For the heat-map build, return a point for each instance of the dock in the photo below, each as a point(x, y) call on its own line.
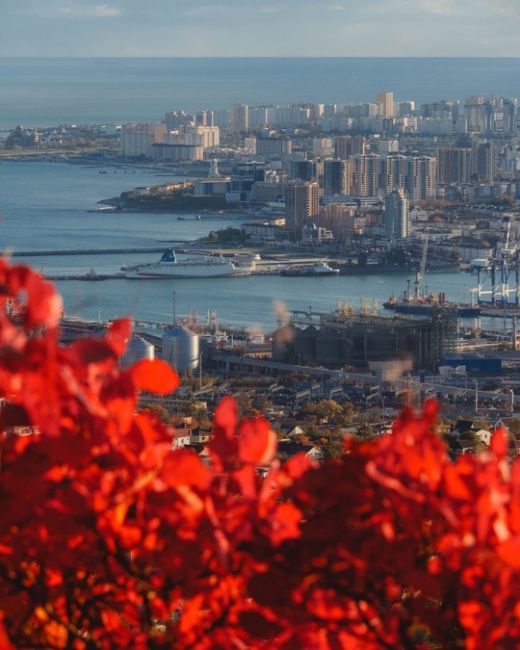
point(499, 312)
point(86, 277)
point(95, 251)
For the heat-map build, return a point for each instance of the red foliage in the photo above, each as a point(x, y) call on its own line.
point(109, 539)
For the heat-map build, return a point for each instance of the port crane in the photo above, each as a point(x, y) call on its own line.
point(503, 264)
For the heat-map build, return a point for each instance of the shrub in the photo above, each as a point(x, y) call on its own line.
point(110, 539)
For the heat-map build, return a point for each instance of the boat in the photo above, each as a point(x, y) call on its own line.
point(419, 303)
point(310, 270)
point(204, 266)
point(425, 305)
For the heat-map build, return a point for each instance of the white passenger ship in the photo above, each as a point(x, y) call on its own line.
point(200, 267)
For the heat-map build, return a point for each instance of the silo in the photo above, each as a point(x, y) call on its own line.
point(136, 350)
point(180, 348)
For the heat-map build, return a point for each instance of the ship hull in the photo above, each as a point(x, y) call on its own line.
point(170, 268)
point(426, 310)
point(184, 274)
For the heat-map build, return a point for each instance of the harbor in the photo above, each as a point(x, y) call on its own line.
point(80, 241)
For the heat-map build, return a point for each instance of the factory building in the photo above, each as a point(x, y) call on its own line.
point(352, 339)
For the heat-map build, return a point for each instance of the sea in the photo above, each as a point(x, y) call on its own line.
point(51, 205)
point(48, 206)
point(47, 91)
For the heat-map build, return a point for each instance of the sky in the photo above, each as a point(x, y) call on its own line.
point(260, 28)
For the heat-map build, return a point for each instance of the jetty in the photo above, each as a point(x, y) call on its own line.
point(94, 251)
point(87, 277)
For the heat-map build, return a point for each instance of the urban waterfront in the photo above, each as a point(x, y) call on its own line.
point(54, 215)
point(306, 431)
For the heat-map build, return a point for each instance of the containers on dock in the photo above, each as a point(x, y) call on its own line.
point(180, 348)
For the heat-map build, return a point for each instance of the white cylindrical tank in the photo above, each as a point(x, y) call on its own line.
point(136, 350)
point(180, 348)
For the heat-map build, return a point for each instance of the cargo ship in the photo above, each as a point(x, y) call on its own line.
point(425, 305)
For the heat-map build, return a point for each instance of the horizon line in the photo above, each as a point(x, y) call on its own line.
point(263, 57)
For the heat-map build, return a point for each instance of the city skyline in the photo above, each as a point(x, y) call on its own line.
point(287, 28)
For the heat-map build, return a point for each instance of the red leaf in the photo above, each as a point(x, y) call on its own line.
point(509, 552)
point(184, 467)
point(285, 523)
point(118, 335)
point(154, 376)
point(93, 351)
point(499, 443)
point(44, 305)
point(225, 418)
point(454, 475)
point(257, 442)
point(223, 445)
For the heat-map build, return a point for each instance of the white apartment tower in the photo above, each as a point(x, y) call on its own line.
point(397, 224)
point(138, 139)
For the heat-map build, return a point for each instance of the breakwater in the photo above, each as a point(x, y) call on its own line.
point(95, 251)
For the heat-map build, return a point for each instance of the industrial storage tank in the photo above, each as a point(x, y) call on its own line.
point(136, 350)
point(180, 348)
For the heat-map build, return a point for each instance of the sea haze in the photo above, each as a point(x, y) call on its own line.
point(46, 92)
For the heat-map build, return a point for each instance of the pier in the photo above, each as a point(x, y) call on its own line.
point(87, 277)
point(96, 251)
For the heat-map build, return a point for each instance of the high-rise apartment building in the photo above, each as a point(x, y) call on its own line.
point(239, 117)
point(272, 147)
point(303, 170)
point(366, 173)
point(202, 136)
point(336, 176)
point(349, 145)
point(205, 118)
point(243, 179)
point(484, 162)
point(322, 147)
point(394, 172)
point(221, 118)
point(374, 175)
point(338, 218)
point(288, 116)
point(397, 224)
point(302, 206)
point(454, 165)
point(138, 139)
point(257, 116)
point(177, 152)
point(506, 117)
point(385, 102)
point(478, 113)
point(421, 181)
point(316, 111)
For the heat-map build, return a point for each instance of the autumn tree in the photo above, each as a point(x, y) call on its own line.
point(110, 539)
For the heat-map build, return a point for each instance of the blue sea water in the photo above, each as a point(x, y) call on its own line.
point(43, 92)
point(45, 205)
